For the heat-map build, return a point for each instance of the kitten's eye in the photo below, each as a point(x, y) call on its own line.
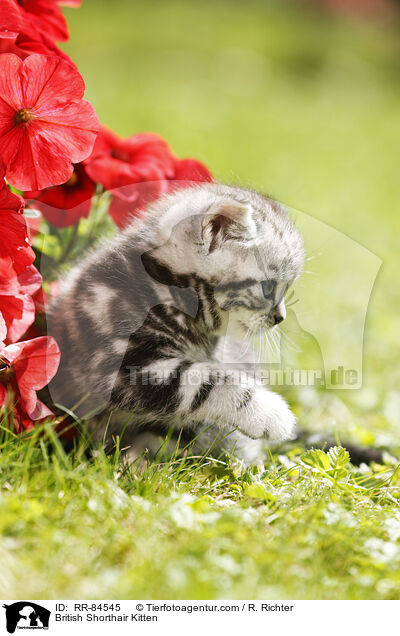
point(268, 287)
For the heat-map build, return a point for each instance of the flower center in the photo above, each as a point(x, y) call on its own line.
point(23, 116)
point(73, 180)
point(6, 371)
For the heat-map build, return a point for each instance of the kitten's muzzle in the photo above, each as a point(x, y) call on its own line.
point(278, 313)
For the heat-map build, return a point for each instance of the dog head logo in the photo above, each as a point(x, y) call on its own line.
point(26, 615)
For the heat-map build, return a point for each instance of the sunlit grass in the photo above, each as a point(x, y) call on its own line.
point(308, 525)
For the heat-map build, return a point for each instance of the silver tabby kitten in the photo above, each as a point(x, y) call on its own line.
point(141, 323)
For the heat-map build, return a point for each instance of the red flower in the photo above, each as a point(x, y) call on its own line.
point(136, 169)
point(117, 162)
point(44, 16)
point(26, 367)
point(45, 125)
point(65, 204)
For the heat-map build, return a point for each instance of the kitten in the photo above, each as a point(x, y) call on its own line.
point(142, 322)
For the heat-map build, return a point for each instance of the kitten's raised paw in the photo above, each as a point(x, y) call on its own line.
point(269, 416)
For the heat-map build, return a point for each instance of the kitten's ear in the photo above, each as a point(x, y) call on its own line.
point(228, 220)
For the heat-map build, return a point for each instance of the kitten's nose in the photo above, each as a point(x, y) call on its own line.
point(279, 313)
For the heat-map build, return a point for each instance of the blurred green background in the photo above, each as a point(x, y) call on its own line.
point(301, 103)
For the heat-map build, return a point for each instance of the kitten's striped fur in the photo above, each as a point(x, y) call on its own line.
point(154, 303)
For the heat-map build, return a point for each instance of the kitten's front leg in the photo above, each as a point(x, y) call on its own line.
point(243, 404)
point(207, 391)
point(173, 386)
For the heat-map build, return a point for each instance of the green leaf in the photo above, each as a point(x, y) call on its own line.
point(257, 490)
point(316, 459)
point(339, 457)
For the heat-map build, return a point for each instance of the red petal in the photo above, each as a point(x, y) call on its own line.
point(10, 85)
point(19, 313)
point(11, 283)
point(36, 162)
point(191, 170)
point(15, 240)
point(50, 82)
point(113, 173)
point(31, 41)
point(10, 19)
point(46, 17)
point(39, 412)
point(41, 301)
point(30, 280)
point(106, 140)
point(35, 362)
point(118, 162)
point(75, 126)
point(123, 208)
point(9, 200)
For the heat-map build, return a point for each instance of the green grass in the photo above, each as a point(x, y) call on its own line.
point(306, 526)
point(307, 108)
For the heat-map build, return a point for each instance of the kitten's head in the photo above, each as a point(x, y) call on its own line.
point(241, 243)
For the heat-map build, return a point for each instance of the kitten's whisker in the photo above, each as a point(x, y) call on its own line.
point(273, 345)
point(311, 257)
point(289, 341)
point(268, 344)
point(276, 340)
point(265, 350)
point(260, 347)
point(246, 343)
